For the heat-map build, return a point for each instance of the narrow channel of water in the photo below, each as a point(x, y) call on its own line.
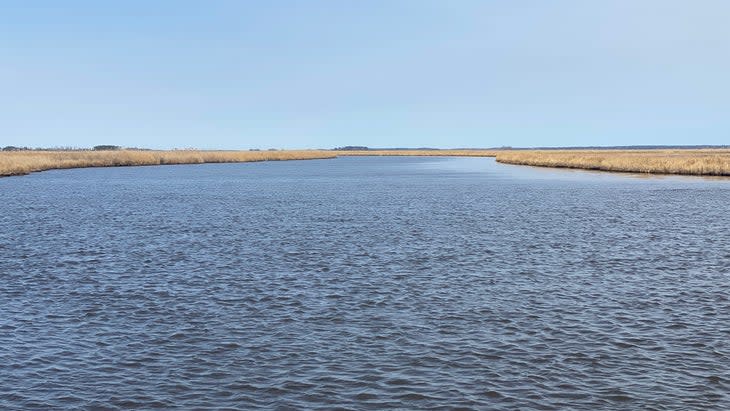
point(363, 283)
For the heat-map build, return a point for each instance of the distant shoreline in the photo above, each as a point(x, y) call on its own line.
point(16, 163)
point(693, 162)
point(697, 162)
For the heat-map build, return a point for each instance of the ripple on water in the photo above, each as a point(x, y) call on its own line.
point(363, 283)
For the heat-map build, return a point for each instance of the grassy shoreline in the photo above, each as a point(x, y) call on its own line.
point(707, 162)
point(13, 163)
point(698, 162)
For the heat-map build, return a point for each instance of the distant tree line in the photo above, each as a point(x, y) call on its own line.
point(102, 147)
point(364, 148)
point(16, 148)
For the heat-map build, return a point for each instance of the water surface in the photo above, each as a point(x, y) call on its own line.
point(363, 283)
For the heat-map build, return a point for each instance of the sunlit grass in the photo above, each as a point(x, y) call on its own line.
point(686, 161)
point(714, 162)
point(24, 162)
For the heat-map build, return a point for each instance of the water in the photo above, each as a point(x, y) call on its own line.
point(363, 283)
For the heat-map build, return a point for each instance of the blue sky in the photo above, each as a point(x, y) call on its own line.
point(382, 73)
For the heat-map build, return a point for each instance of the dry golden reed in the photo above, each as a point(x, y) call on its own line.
point(715, 162)
point(710, 162)
point(24, 162)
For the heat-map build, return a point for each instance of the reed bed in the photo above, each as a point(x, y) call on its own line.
point(709, 162)
point(712, 162)
point(24, 162)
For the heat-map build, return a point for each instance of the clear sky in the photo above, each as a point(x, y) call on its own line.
point(317, 74)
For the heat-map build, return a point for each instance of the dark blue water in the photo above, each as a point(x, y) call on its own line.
point(363, 283)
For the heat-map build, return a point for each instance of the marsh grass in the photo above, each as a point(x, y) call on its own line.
point(713, 162)
point(24, 162)
point(710, 162)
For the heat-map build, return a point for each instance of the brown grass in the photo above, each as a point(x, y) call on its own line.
point(24, 162)
point(711, 162)
point(715, 162)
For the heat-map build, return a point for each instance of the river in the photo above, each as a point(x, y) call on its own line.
point(363, 283)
